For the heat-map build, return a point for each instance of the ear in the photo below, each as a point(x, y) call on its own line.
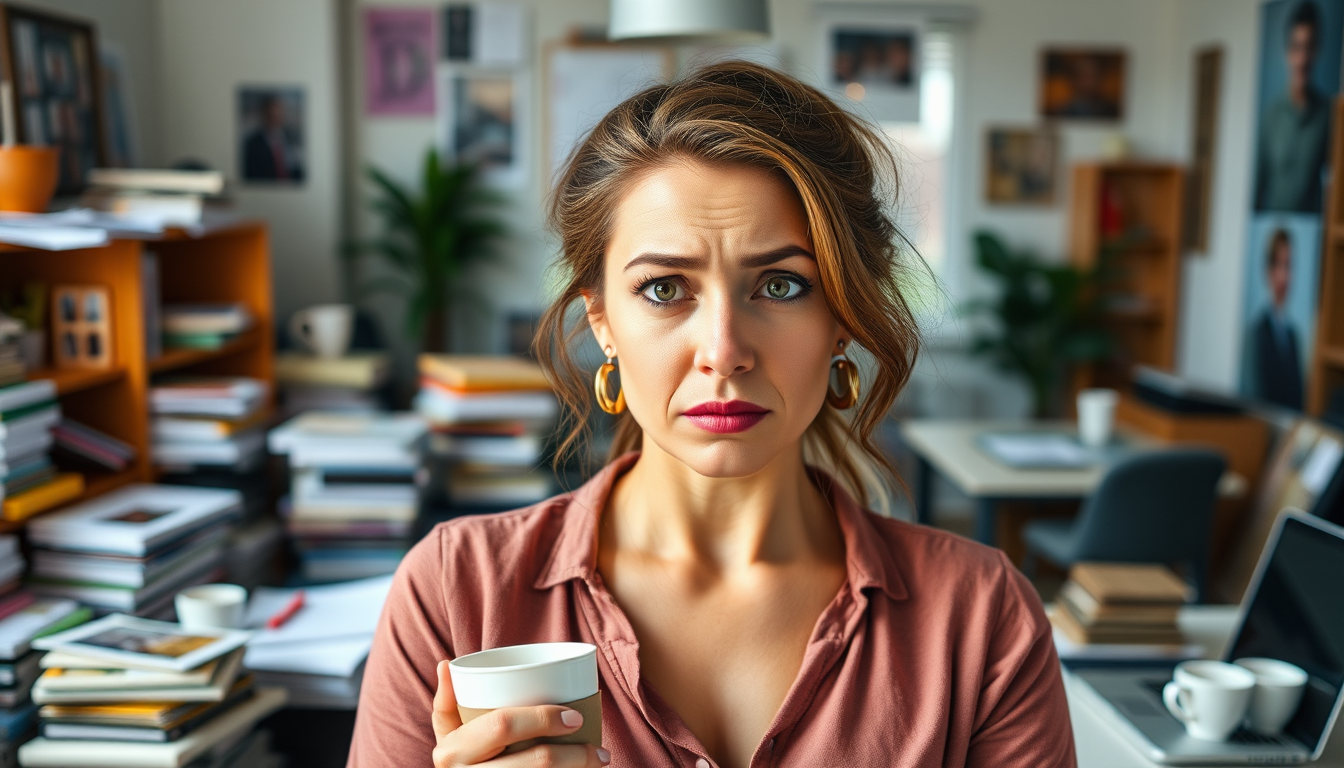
point(597, 321)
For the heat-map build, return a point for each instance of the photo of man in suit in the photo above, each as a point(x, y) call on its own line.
point(272, 146)
point(1292, 144)
point(1275, 357)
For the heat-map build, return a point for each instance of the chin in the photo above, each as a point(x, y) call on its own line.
point(725, 457)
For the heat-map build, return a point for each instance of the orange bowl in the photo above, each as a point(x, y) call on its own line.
point(28, 176)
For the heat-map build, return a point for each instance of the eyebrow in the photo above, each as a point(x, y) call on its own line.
point(754, 261)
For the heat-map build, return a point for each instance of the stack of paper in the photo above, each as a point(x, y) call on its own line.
point(215, 421)
point(29, 483)
point(318, 655)
point(19, 665)
point(126, 691)
point(132, 549)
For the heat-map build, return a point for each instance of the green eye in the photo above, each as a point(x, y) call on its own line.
point(782, 288)
point(663, 291)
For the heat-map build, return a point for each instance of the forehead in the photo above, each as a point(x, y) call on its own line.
point(691, 205)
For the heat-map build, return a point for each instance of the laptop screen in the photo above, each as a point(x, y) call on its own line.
point(1297, 616)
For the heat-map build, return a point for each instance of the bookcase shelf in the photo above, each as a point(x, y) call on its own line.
point(1326, 374)
point(229, 264)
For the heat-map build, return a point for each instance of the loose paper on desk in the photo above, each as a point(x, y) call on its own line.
point(330, 612)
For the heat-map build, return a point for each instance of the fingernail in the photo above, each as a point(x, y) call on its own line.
point(571, 718)
point(603, 755)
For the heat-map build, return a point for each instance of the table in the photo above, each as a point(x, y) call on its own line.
point(1099, 746)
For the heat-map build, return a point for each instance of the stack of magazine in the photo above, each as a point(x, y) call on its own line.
point(133, 549)
point(131, 692)
point(208, 421)
point(29, 482)
point(19, 665)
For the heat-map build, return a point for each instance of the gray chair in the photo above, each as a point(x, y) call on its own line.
point(1150, 508)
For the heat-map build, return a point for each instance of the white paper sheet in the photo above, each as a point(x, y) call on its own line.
point(330, 612)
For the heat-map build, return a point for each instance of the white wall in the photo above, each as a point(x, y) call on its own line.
point(208, 48)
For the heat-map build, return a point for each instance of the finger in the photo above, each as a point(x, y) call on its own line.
point(555, 756)
point(445, 716)
point(490, 733)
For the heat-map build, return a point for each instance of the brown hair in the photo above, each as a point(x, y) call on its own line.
point(845, 176)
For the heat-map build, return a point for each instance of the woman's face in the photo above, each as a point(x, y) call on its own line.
point(712, 305)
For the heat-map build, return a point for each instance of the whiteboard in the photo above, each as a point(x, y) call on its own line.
point(584, 83)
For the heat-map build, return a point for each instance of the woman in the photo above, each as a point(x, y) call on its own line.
point(728, 239)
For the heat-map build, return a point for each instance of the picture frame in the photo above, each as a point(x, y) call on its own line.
point(272, 135)
point(483, 116)
point(1021, 166)
point(54, 64)
point(870, 59)
point(1083, 84)
point(81, 326)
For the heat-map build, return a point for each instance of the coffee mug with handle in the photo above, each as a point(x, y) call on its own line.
point(1209, 697)
point(1278, 692)
point(324, 329)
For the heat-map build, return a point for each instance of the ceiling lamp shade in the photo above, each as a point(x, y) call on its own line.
point(690, 21)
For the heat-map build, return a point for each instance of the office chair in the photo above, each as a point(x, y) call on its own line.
point(1154, 507)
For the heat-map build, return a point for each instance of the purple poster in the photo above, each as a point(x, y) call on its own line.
point(399, 51)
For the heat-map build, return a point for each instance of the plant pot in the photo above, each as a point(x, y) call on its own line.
point(28, 177)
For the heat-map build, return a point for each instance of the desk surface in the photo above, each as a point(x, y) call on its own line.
point(1101, 747)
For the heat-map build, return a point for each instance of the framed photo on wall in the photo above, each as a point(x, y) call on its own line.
point(870, 58)
point(1021, 166)
point(53, 62)
point(1082, 83)
point(271, 135)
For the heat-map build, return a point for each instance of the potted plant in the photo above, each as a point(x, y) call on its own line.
point(1046, 318)
point(429, 236)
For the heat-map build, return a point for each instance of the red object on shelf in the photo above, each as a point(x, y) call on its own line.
point(1112, 218)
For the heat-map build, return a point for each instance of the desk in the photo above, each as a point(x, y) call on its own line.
point(1101, 747)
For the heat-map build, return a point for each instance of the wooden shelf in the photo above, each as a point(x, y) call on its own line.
point(1332, 356)
point(71, 380)
point(172, 359)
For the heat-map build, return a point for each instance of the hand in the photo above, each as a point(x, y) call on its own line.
point(481, 741)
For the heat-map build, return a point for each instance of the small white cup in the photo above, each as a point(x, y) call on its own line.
point(324, 329)
point(1096, 416)
point(211, 606)
point(1209, 697)
point(1278, 691)
point(525, 675)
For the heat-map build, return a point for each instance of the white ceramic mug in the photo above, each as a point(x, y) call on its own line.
point(324, 329)
point(1278, 691)
point(211, 606)
point(1209, 697)
point(1096, 416)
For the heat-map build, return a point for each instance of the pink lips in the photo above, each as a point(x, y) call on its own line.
point(726, 418)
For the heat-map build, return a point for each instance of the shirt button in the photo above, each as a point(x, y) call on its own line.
point(702, 763)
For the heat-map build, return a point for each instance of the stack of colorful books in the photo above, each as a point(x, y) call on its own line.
point(350, 383)
point(214, 421)
point(1121, 604)
point(203, 326)
point(489, 416)
point(86, 445)
point(354, 493)
point(129, 692)
point(133, 549)
point(28, 414)
point(22, 620)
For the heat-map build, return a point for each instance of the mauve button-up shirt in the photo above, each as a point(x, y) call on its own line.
point(935, 651)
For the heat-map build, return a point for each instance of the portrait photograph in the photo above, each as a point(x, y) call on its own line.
point(480, 122)
point(1021, 166)
point(271, 135)
point(875, 65)
point(1282, 276)
point(1082, 84)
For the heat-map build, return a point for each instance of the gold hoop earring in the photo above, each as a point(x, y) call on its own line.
point(600, 386)
point(848, 373)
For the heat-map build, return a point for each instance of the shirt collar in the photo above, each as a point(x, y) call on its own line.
point(868, 564)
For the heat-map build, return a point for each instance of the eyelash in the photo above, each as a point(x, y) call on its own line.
point(805, 287)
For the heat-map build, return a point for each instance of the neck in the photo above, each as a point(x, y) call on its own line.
point(1297, 94)
point(665, 510)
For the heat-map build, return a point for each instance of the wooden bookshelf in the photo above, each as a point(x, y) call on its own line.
point(1326, 374)
point(229, 264)
point(1138, 244)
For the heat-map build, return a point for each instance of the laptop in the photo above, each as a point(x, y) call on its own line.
point(1293, 611)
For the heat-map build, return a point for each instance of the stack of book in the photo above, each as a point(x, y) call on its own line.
point(353, 490)
point(129, 692)
point(350, 383)
point(489, 416)
point(203, 326)
point(31, 484)
point(1121, 604)
point(82, 444)
point(19, 665)
point(133, 549)
point(212, 421)
point(11, 571)
point(156, 198)
point(11, 359)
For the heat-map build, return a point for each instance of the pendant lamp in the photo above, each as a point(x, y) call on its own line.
point(690, 21)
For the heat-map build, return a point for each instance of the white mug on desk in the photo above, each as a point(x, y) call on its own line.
point(324, 329)
point(1096, 416)
point(1209, 697)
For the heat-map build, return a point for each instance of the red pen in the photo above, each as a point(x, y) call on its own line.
point(286, 613)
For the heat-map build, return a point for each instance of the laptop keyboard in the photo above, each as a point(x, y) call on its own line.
point(1242, 736)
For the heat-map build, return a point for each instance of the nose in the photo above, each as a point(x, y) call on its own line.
point(724, 346)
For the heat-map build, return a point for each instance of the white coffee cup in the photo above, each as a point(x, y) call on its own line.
point(1209, 697)
point(324, 329)
point(1096, 416)
point(1278, 691)
point(211, 606)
